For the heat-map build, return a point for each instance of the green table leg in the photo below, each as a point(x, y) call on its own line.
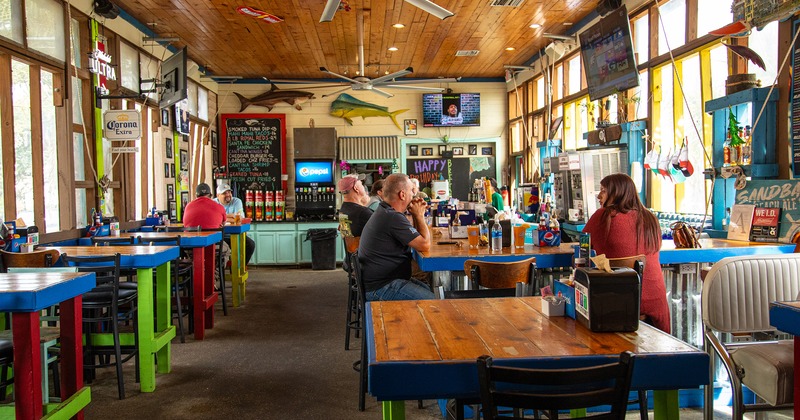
point(580, 412)
point(394, 410)
point(238, 268)
point(163, 316)
point(145, 320)
point(665, 405)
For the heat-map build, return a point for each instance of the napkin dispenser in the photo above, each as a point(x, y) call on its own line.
point(458, 232)
point(607, 302)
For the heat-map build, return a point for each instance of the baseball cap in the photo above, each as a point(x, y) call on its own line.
point(221, 188)
point(202, 189)
point(349, 181)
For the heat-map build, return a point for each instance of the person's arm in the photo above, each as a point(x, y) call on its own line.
point(421, 243)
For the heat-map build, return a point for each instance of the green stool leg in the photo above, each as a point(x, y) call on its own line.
point(394, 410)
point(665, 405)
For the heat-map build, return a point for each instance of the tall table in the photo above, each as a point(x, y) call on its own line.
point(155, 329)
point(203, 268)
point(238, 261)
point(427, 349)
point(452, 257)
point(25, 296)
point(785, 316)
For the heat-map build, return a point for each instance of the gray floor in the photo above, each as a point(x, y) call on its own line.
point(279, 356)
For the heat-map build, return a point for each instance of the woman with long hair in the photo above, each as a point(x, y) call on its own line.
point(624, 227)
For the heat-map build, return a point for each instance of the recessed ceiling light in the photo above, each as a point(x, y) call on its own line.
point(386, 72)
point(509, 48)
point(567, 23)
point(535, 26)
point(392, 48)
point(398, 26)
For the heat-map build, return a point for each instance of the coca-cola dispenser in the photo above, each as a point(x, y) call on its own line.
point(315, 192)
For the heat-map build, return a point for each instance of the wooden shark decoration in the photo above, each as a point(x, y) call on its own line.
point(273, 96)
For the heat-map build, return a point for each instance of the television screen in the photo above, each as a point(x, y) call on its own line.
point(313, 171)
point(451, 109)
point(173, 79)
point(607, 54)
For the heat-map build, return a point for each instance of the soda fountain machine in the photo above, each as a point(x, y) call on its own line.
point(315, 191)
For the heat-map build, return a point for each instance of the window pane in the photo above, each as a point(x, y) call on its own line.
point(192, 94)
point(45, 27)
point(107, 204)
point(665, 135)
point(202, 103)
point(539, 93)
point(641, 38)
point(23, 170)
point(558, 83)
point(643, 93)
point(129, 67)
point(75, 27)
point(11, 20)
point(673, 16)
point(574, 75)
point(81, 213)
point(78, 156)
point(77, 101)
point(719, 70)
point(712, 15)
point(611, 106)
point(694, 185)
point(149, 70)
point(569, 126)
point(516, 136)
point(765, 43)
point(49, 155)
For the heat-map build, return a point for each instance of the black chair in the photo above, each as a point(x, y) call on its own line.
point(104, 308)
point(353, 322)
point(360, 365)
point(112, 240)
point(6, 360)
point(556, 389)
point(182, 280)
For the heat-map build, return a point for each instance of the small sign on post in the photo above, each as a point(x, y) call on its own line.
point(122, 125)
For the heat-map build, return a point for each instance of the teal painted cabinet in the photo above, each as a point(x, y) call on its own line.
point(284, 243)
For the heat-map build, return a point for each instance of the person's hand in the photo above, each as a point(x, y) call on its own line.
point(417, 207)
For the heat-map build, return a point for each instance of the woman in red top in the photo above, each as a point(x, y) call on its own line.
point(623, 227)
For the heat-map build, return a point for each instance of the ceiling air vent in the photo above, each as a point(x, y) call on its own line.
point(467, 53)
point(511, 3)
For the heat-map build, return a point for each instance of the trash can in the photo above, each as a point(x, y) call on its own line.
point(323, 248)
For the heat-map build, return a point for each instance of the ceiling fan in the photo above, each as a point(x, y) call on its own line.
point(333, 5)
point(362, 82)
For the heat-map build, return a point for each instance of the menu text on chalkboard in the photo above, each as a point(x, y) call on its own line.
point(255, 146)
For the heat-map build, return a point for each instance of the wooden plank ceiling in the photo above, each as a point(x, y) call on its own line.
point(229, 43)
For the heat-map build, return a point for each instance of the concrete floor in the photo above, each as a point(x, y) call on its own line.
point(279, 356)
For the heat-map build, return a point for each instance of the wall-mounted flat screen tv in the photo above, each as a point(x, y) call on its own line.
point(451, 109)
point(607, 54)
point(173, 79)
point(313, 172)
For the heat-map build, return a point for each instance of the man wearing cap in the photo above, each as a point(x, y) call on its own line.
point(203, 211)
point(354, 201)
point(233, 207)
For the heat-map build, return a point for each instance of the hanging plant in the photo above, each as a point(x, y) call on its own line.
point(344, 166)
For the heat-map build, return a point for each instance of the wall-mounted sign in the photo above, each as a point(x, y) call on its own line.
point(122, 125)
point(100, 64)
point(128, 149)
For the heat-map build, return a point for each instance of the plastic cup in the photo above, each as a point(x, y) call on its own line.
point(473, 234)
point(519, 235)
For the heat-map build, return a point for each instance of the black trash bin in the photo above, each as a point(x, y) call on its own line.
point(323, 248)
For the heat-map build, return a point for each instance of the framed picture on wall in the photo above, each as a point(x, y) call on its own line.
point(473, 149)
point(167, 173)
point(214, 140)
point(165, 116)
point(410, 127)
point(185, 160)
point(458, 151)
point(413, 150)
point(172, 168)
point(170, 192)
point(215, 157)
point(427, 151)
point(168, 142)
point(184, 200)
point(172, 213)
point(486, 151)
point(442, 149)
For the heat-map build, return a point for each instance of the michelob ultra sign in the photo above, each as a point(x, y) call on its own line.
point(122, 125)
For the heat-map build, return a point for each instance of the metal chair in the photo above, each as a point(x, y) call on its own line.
point(104, 308)
point(6, 360)
point(555, 389)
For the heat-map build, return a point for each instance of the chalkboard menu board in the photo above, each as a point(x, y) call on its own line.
point(459, 171)
point(254, 148)
point(783, 194)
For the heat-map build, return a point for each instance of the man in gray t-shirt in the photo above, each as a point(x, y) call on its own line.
point(386, 242)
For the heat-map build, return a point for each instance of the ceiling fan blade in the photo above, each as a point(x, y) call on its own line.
point(429, 89)
point(381, 92)
point(334, 93)
point(305, 82)
point(401, 73)
point(431, 8)
point(330, 9)
point(443, 80)
point(324, 70)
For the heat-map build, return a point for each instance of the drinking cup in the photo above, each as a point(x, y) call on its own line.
point(519, 235)
point(473, 234)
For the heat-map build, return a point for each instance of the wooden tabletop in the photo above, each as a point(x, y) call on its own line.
point(433, 344)
point(30, 292)
point(131, 256)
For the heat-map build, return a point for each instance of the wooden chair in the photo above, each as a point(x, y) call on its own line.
point(29, 259)
point(555, 389)
point(501, 275)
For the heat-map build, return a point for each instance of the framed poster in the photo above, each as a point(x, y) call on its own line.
point(486, 151)
point(171, 192)
point(182, 117)
point(410, 127)
point(215, 157)
point(442, 149)
point(214, 140)
point(172, 168)
point(184, 160)
point(165, 116)
point(413, 150)
point(184, 200)
point(427, 151)
point(473, 149)
point(172, 213)
point(458, 151)
point(167, 174)
point(168, 142)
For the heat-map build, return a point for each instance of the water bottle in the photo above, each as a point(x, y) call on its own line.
point(497, 236)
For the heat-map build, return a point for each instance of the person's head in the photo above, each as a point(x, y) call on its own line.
point(377, 188)
point(415, 182)
point(224, 194)
point(352, 190)
point(618, 195)
point(398, 191)
point(202, 190)
point(452, 110)
point(494, 184)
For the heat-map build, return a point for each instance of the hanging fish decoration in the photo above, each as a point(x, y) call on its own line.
point(686, 165)
point(348, 107)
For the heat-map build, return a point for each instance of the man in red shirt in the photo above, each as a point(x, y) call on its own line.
point(203, 211)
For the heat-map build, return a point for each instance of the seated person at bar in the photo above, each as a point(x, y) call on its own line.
point(497, 198)
point(354, 201)
point(233, 206)
point(417, 192)
point(623, 227)
point(375, 195)
point(203, 211)
point(386, 242)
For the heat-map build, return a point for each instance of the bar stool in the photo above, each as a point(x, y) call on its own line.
point(353, 309)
